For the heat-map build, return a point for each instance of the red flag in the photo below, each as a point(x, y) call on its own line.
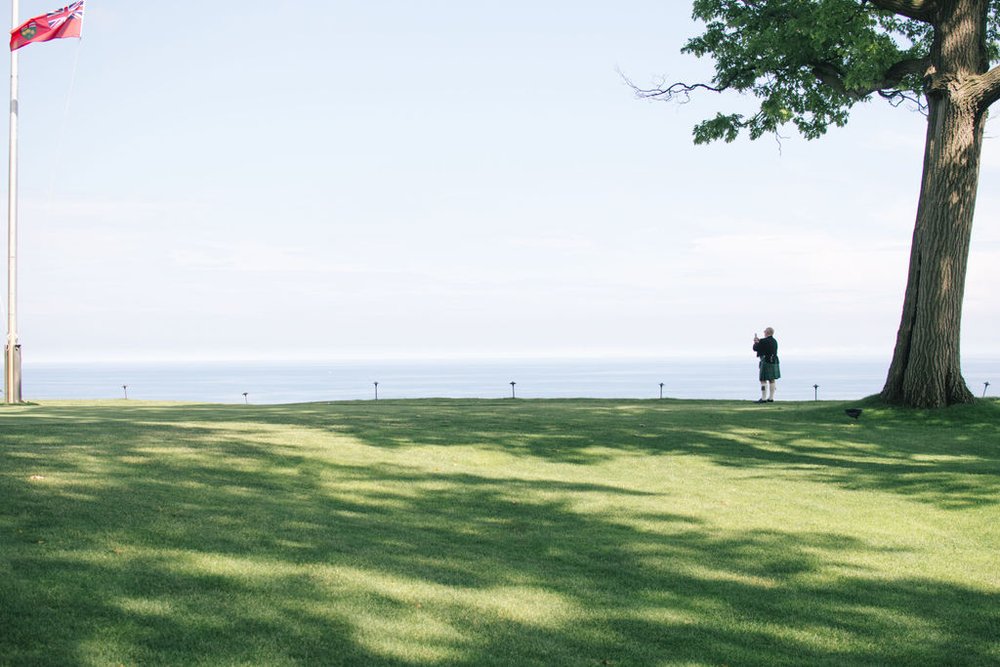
point(65, 22)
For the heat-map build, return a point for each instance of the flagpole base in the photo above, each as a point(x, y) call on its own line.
point(12, 378)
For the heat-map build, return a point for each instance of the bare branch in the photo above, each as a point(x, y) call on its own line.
point(897, 98)
point(670, 92)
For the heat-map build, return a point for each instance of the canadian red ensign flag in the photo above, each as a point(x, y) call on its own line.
point(65, 22)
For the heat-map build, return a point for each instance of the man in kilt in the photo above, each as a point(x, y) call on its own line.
point(770, 370)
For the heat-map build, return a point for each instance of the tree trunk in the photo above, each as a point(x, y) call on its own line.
point(926, 365)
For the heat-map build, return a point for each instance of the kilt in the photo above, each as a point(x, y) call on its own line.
point(769, 371)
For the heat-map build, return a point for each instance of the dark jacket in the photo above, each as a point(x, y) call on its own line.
point(767, 349)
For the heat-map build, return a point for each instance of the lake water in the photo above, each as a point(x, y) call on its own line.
point(294, 382)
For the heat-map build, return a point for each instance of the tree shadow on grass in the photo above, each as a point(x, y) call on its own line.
point(947, 458)
point(223, 548)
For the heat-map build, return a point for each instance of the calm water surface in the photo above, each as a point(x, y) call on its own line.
point(295, 382)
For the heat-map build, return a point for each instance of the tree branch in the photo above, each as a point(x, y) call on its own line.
point(830, 75)
point(989, 83)
point(897, 98)
point(670, 92)
point(920, 10)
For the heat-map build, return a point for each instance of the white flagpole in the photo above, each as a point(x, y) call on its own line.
point(12, 375)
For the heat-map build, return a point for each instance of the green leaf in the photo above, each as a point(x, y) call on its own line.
point(808, 62)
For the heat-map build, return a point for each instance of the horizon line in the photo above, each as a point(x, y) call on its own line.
point(697, 357)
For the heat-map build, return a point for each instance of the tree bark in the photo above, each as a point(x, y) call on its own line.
point(926, 364)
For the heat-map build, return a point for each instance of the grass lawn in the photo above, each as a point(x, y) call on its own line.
point(459, 532)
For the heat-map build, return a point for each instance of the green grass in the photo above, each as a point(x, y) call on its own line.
point(442, 532)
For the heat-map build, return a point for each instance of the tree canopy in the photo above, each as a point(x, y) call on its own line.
point(808, 62)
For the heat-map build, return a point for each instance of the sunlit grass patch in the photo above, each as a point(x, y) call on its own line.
point(498, 533)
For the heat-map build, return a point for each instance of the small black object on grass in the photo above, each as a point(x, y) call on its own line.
point(853, 412)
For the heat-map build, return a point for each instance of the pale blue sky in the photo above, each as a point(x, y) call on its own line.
point(403, 179)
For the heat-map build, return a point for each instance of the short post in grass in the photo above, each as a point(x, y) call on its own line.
point(986, 385)
point(661, 390)
point(125, 389)
point(815, 392)
point(245, 399)
point(512, 389)
point(376, 391)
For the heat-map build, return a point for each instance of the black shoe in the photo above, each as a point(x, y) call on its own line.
point(770, 400)
point(761, 401)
